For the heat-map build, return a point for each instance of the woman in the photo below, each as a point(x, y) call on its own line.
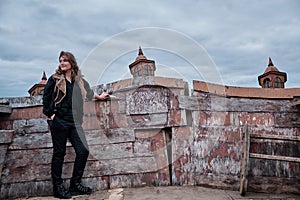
point(64, 95)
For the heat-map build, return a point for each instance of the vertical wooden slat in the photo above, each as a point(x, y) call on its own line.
point(245, 163)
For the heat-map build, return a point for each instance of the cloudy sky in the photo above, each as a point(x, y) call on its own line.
point(223, 41)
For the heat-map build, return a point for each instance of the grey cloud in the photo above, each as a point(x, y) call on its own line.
point(238, 35)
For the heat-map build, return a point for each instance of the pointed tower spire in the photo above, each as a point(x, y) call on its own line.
point(272, 77)
point(140, 51)
point(141, 55)
point(142, 66)
point(270, 62)
point(44, 76)
point(38, 88)
point(44, 79)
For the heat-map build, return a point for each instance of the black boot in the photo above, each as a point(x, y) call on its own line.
point(79, 189)
point(59, 191)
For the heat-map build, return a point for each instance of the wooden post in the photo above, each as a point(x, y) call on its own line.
point(245, 163)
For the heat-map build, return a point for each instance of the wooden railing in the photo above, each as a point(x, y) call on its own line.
point(247, 154)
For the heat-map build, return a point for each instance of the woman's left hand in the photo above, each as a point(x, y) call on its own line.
point(102, 96)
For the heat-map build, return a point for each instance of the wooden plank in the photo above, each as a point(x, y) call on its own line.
point(295, 103)
point(242, 176)
point(274, 184)
point(276, 137)
point(5, 109)
point(6, 136)
point(273, 157)
point(245, 163)
point(94, 168)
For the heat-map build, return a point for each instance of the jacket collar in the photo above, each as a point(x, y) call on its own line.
point(61, 89)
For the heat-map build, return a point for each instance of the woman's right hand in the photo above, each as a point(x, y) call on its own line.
point(52, 116)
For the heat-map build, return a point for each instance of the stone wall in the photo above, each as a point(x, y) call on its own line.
point(153, 133)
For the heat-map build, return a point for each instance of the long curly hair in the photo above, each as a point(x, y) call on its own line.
point(72, 61)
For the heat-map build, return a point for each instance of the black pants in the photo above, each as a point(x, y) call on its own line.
point(61, 130)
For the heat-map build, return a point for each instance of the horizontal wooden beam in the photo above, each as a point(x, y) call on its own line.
point(272, 157)
point(275, 137)
point(295, 103)
point(5, 109)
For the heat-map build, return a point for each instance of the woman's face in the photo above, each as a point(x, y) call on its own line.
point(64, 64)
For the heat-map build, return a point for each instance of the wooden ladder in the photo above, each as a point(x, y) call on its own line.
point(247, 155)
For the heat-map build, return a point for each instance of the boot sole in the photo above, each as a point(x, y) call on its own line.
point(79, 193)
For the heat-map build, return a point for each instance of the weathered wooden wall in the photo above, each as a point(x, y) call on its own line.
point(154, 134)
point(219, 127)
